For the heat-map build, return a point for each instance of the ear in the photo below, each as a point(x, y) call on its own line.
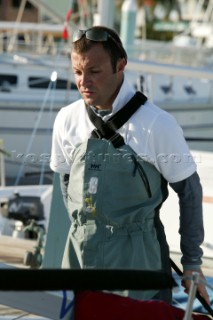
point(121, 64)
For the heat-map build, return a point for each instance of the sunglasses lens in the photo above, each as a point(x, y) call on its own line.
point(77, 35)
point(97, 35)
point(94, 35)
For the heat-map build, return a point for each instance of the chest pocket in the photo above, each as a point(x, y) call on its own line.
point(112, 185)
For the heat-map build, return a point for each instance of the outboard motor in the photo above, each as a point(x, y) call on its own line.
point(28, 211)
point(25, 208)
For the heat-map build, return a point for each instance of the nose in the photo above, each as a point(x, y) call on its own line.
point(85, 80)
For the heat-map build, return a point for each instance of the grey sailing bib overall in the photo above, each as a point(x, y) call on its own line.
point(112, 199)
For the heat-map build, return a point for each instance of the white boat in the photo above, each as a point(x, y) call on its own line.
point(28, 106)
point(31, 93)
point(28, 110)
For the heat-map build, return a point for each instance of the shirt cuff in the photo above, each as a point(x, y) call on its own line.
point(194, 267)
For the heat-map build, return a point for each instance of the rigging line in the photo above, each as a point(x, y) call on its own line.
point(69, 13)
point(39, 118)
point(46, 97)
point(52, 98)
point(33, 133)
point(53, 83)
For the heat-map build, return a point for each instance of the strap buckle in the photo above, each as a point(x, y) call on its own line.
point(96, 134)
point(117, 140)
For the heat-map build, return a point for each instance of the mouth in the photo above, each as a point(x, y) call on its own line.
point(87, 92)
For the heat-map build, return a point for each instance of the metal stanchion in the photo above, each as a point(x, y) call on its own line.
point(192, 293)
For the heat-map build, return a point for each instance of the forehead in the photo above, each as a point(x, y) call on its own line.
point(96, 54)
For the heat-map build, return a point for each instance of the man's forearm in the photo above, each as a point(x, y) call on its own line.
point(191, 220)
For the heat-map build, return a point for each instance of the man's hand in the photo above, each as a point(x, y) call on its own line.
point(186, 282)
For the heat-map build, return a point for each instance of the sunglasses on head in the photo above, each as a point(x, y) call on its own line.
point(97, 35)
point(91, 34)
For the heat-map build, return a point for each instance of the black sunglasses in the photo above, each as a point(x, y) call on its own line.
point(98, 35)
point(91, 34)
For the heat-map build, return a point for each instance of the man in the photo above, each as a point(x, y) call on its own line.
point(102, 235)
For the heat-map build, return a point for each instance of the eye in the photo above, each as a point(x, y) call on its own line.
point(95, 70)
point(77, 73)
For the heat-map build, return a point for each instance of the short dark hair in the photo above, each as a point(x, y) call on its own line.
point(113, 45)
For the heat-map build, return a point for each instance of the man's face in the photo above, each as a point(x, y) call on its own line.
point(94, 76)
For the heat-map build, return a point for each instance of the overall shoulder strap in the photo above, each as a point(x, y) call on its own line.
point(108, 129)
point(125, 113)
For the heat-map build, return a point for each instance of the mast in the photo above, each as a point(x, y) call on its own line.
point(105, 14)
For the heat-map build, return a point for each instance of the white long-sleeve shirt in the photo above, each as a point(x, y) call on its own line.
point(151, 132)
point(156, 137)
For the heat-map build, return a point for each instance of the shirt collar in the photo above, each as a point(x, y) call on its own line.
point(124, 95)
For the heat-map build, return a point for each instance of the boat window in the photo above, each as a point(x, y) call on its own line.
point(16, 4)
point(8, 78)
point(43, 83)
